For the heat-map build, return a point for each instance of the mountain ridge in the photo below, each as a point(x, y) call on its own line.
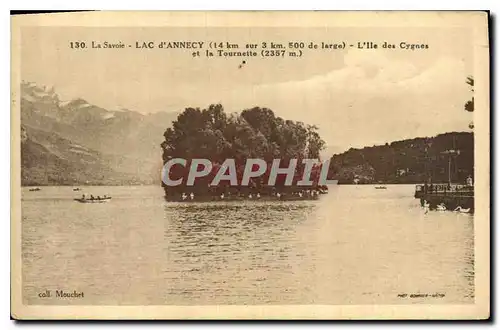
point(436, 159)
point(126, 141)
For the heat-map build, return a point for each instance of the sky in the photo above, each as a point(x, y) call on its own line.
point(356, 97)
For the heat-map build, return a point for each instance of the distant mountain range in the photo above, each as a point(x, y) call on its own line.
point(75, 142)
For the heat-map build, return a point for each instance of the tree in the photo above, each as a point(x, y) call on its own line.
point(255, 133)
point(469, 105)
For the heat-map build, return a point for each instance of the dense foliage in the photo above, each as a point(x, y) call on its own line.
point(254, 133)
point(418, 160)
point(469, 105)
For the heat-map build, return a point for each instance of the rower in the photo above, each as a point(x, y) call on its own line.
point(258, 195)
point(191, 195)
point(184, 196)
point(250, 196)
point(222, 196)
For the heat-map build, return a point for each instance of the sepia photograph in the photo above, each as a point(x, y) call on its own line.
point(257, 165)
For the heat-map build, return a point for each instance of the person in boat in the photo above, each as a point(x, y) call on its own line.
point(83, 196)
point(250, 196)
point(222, 196)
point(184, 196)
point(191, 195)
point(258, 195)
point(300, 194)
point(92, 197)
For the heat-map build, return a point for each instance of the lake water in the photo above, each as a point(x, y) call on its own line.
point(355, 245)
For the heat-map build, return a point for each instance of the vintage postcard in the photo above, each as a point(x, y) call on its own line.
point(250, 165)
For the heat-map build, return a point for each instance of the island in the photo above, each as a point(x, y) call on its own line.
point(255, 133)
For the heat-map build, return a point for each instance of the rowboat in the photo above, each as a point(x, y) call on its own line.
point(95, 200)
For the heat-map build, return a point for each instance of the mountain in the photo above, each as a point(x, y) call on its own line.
point(48, 159)
point(330, 150)
point(408, 161)
point(125, 143)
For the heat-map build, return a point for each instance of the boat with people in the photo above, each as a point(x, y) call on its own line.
point(35, 189)
point(92, 199)
point(380, 187)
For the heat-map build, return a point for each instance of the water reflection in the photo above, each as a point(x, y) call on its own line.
point(356, 245)
point(232, 252)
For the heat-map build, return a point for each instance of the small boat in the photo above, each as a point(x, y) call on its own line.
point(380, 187)
point(461, 210)
point(93, 200)
point(35, 189)
point(76, 189)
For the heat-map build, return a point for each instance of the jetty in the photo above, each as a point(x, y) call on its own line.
point(450, 195)
point(447, 196)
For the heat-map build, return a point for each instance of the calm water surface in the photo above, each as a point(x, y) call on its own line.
point(356, 245)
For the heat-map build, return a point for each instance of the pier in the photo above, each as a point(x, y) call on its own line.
point(451, 196)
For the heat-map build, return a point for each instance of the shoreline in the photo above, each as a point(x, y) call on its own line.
point(240, 199)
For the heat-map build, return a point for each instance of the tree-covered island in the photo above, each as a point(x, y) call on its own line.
point(254, 133)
